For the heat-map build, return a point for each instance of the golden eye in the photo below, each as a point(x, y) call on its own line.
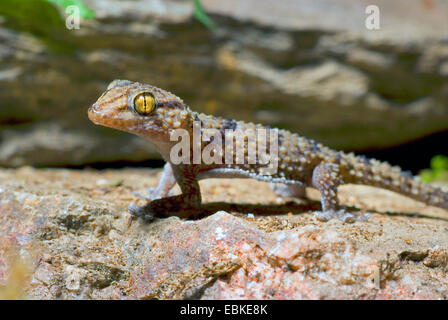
point(144, 103)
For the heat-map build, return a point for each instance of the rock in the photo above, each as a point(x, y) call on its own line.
point(76, 235)
point(433, 58)
point(276, 41)
point(328, 81)
point(167, 11)
point(420, 106)
point(10, 74)
point(20, 45)
point(395, 27)
point(372, 100)
point(369, 58)
point(444, 69)
point(49, 139)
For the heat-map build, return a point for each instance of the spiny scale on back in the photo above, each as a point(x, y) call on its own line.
point(302, 162)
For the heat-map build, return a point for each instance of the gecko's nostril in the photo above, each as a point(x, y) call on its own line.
point(94, 107)
point(93, 112)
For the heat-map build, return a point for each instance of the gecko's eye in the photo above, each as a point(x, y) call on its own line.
point(144, 103)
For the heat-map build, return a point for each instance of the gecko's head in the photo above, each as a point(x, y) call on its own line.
point(140, 109)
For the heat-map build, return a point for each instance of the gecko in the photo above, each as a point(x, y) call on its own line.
point(154, 114)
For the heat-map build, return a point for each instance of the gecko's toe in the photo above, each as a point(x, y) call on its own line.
point(351, 217)
point(346, 217)
point(323, 215)
point(341, 215)
point(364, 217)
point(140, 212)
point(334, 214)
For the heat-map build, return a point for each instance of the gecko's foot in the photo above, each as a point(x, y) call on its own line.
point(342, 215)
point(140, 212)
point(162, 208)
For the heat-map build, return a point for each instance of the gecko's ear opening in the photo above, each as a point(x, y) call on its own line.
point(118, 83)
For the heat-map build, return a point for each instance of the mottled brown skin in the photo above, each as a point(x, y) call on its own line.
point(302, 162)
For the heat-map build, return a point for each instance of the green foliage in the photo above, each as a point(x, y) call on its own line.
point(42, 19)
point(202, 17)
point(84, 11)
point(37, 17)
point(438, 170)
point(34, 16)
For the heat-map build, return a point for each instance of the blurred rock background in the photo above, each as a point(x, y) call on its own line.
point(308, 66)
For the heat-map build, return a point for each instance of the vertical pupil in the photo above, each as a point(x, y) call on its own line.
point(144, 103)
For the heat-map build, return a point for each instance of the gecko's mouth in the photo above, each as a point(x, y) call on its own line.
point(100, 117)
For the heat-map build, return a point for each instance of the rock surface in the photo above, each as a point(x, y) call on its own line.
point(423, 19)
point(65, 234)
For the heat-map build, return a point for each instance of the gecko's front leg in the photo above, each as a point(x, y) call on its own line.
point(183, 206)
point(163, 188)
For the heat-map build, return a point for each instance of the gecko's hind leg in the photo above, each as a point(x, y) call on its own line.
point(326, 179)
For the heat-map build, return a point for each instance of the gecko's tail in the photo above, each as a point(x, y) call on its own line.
point(360, 170)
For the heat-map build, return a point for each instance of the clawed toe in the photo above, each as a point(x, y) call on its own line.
point(342, 215)
point(140, 212)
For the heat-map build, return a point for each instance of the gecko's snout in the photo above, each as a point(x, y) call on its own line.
point(93, 113)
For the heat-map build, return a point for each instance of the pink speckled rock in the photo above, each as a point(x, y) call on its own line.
point(307, 263)
point(70, 235)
